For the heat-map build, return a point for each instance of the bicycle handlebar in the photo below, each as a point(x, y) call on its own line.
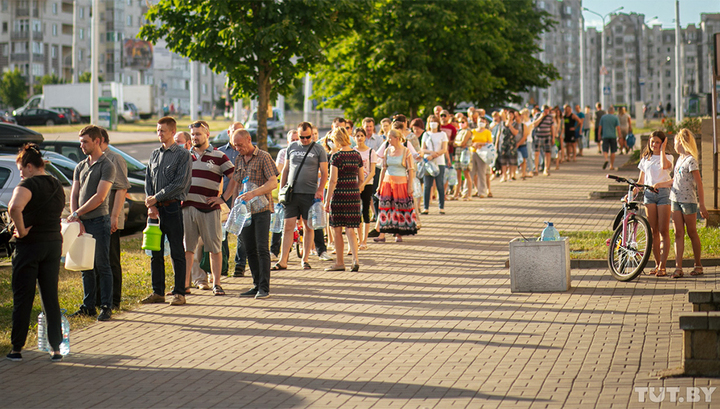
point(631, 182)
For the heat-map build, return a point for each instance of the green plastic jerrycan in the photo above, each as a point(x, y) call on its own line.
point(152, 235)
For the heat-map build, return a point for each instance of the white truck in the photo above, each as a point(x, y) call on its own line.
point(143, 96)
point(74, 96)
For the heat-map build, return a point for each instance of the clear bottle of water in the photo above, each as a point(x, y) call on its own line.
point(44, 343)
point(316, 215)
point(277, 222)
point(257, 203)
point(166, 249)
point(550, 233)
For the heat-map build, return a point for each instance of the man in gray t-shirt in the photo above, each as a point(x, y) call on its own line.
point(305, 189)
point(92, 181)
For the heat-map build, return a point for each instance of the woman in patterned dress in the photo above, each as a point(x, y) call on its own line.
point(343, 197)
point(397, 215)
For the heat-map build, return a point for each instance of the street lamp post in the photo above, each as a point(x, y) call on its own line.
point(603, 68)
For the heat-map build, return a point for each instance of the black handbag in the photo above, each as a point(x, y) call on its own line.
point(286, 192)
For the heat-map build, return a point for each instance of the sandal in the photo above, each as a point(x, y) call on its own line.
point(277, 266)
point(697, 271)
point(652, 272)
point(678, 273)
point(306, 266)
point(217, 290)
point(661, 272)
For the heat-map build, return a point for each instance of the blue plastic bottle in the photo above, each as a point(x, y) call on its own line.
point(549, 233)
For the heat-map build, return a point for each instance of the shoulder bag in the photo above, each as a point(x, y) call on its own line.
point(285, 193)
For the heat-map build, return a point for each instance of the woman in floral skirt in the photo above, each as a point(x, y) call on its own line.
point(343, 197)
point(397, 214)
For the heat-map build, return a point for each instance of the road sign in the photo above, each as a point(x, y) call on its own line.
point(606, 90)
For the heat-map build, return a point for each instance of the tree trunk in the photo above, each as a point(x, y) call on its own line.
point(264, 88)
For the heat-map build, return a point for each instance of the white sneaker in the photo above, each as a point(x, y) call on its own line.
point(313, 252)
point(325, 257)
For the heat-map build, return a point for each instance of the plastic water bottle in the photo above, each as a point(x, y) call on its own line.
point(257, 203)
point(316, 215)
point(549, 233)
point(44, 344)
point(238, 218)
point(166, 248)
point(278, 219)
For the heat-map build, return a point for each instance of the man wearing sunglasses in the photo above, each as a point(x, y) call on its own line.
point(201, 208)
point(305, 190)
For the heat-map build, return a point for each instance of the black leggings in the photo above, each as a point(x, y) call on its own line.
point(366, 196)
point(33, 262)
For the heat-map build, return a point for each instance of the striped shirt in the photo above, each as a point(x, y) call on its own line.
point(259, 169)
point(208, 169)
point(167, 176)
point(544, 128)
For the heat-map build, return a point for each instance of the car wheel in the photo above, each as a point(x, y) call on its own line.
point(121, 120)
point(49, 122)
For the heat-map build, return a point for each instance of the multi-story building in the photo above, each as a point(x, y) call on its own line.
point(47, 27)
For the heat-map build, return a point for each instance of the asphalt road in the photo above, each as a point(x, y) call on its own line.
point(140, 151)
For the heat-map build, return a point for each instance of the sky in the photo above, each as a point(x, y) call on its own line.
point(664, 10)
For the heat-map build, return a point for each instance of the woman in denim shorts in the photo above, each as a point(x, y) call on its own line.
point(655, 167)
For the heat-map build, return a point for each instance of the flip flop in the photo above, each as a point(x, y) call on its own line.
point(306, 266)
point(277, 266)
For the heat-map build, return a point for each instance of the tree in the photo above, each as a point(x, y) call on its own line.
point(13, 90)
point(87, 76)
point(408, 56)
point(261, 45)
point(48, 79)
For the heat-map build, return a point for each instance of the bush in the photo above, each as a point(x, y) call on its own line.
point(693, 124)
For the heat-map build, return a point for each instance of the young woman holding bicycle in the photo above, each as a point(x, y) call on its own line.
point(686, 194)
point(655, 167)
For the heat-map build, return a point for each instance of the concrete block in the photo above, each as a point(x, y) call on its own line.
point(687, 344)
point(539, 266)
point(714, 321)
point(694, 321)
point(704, 345)
point(716, 297)
point(700, 297)
point(706, 307)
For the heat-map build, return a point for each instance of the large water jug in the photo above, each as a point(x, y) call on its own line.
point(257, 203)
point(277, 222)
point(81, 255)
point(316, 215)
point(152, 236)
point(70, 232)
point(549, 233)
point(238, 218)
point(44, 344)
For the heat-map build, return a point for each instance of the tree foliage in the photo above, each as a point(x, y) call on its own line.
point(262, 45)
point(48, 79)
point(87, 76)
point(13, 90)
point(408, 56)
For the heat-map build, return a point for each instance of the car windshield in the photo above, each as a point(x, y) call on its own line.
point(133, 164)
point(52, 170)
point(275, 117)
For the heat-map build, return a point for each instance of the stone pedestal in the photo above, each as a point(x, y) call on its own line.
point(539, 266)
point(706, 164)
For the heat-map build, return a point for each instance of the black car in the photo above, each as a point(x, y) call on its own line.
point(40, 116)
point(71, 113)
point(14, 136)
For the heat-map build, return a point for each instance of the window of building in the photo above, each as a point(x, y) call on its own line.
point(82, 33)
point(80, 55)
point(568, 23)
point(5, 5)
point(82, 12)
point(5, 50)
point(128, 80)
point(667, 73)
point(140, 21)
point(4, 27)
point(37, 48)
point(619, 88)
point(129, 2)
point(668, 49)
point(541, 5)
point(21, 26)
point(54, 8)
point(54, 30)
point(204, 69)
point(129, 21)
point(38, 70)
point(53, 51)
point(204, 89)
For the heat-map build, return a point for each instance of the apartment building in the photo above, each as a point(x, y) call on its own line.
point(36, 37)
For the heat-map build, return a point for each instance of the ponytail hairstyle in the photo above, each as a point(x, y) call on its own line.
point(30, 154)
point(687, 141)
point(647, 152)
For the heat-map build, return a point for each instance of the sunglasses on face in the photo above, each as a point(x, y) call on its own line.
point(442, 115)
point(305, 137)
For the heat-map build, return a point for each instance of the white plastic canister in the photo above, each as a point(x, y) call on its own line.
point(81, 255)
point(69, 233)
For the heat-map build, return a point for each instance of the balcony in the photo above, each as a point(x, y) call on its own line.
point(25, 13)
point(25, 35)
point(25, 57)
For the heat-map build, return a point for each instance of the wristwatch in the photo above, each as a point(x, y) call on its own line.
point(74, 215)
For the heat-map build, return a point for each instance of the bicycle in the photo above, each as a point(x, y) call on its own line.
point(298, 239)
point(631, 242)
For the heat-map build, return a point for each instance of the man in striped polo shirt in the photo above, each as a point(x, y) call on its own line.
point(201, 215)
point(544, 138)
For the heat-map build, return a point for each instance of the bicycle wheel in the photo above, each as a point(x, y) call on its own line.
point(299, 246)
point(628, 261)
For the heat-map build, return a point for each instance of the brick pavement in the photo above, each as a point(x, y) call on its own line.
point(429, 322)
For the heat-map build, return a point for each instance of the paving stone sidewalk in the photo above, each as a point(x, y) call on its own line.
point(427, 323)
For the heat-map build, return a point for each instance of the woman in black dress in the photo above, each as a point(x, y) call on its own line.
point(343, 197)
point(35, 209)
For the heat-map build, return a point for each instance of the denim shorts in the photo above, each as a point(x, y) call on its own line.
point(685, 208)
point(523, 151)
point(662, 197)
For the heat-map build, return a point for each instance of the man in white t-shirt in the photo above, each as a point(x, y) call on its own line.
point(434, 146)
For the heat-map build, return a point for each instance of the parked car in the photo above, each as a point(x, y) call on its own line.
point(5, 234)
point(71, 149)
point(275, 124)
point(71, 113)
point(129, 113)
point(40, 116)
point(10, 177)
point(14, 136)
point(6, 117)
point(222, 139)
